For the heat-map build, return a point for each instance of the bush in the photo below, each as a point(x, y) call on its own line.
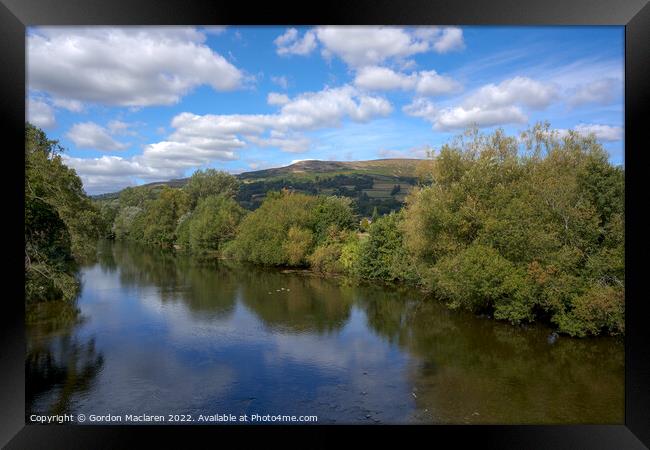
point(211, 224)
point(480, 280)
point(297, 245)
point(326, 258)
point(382, 254)
point(600, 309)
point(287, 227)
point(210, 182)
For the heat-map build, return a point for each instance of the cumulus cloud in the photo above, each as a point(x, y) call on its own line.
point(126, 66)
point(362, 46)
point(201, 139)
point(89, 135)
point(492, 104)
point(70, 105)
point(291, 44)
point(605, 133)
point(277, 99)
point(110, 173)
point(40, 113)
point(462, 117)
point(518, 90)
point(421, 107)
point(450, 39)
point(598, 91)
point(286, 142)
point(424, 82)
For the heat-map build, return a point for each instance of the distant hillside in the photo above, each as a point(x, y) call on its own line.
point(390, 167)
point(382, 183)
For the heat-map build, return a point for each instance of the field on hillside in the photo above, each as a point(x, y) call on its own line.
point(377, 184)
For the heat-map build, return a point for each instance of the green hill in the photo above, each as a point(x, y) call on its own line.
point(381, 183)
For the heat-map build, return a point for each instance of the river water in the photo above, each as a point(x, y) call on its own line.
point(166, 334)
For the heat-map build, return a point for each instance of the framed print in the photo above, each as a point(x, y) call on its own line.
point(378, 218)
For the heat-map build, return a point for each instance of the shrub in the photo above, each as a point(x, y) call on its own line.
point(599, 309)
point(212, 223)
point(297, 245)
point(382, 254)
point(479, 279)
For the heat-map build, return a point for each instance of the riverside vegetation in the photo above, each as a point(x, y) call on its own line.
point(527, 228)
point(62, 226)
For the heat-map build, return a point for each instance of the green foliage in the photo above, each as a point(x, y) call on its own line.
point(329, 256)
point(61, 222)
point(331, 212)
point(124, 220)
point(262, 235)
point(137, 196)
point(210, 182)
point(538, 233)
point(382, 255)
point(160, 217)
point(297, 245)
point(287, 226)
point(211, 224)
point(479, 279)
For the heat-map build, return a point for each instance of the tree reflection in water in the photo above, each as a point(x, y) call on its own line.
point(56, 369)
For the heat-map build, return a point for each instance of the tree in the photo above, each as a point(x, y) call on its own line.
point(61, 222)
point(382, 255)
point(161, 216)
point(212, 223)
point(287, 227)
point(210, 182)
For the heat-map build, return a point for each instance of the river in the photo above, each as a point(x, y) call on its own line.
point(166, 334)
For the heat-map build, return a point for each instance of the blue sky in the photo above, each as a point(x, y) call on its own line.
point(133, 105)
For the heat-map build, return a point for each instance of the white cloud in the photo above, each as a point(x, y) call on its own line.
point(424, 82)
point(108, 173)
point(450, 39)
point(605, 133)
point(198, 140)
point(328, 107)
point(288, 143)
point(601, 91)
point(277, 99)
point(70, 105)
point(127, 66)
point(421, 107)
point(290, 44)
point(492, 104)
point(215, 30)
point(518, 90)
point(462, 117)
point(40, 113)
point(89, 135)
point(362, 46)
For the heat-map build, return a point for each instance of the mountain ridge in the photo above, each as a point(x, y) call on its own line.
point(398, 167)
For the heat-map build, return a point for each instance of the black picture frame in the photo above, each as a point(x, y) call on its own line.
point(15, 15)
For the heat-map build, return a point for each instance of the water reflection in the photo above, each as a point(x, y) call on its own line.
point(169, 334)
point(58, 369)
